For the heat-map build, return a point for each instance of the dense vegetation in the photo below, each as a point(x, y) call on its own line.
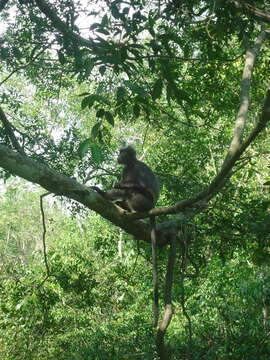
point(186, 83)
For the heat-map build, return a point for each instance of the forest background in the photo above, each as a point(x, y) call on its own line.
point(186, 83)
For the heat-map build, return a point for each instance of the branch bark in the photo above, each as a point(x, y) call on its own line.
point(61, 26)
point(242, 115)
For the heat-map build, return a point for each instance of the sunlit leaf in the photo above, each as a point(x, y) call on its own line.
point(157, 89)
point(83, 147)
point(136, 110)
point(96, 154)
point(120, 93)
point(100, 113)
point(109, 117)
point(136, 89)
point(95, 130)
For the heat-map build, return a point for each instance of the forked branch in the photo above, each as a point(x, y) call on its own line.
point(8, 127)
point(226, 171)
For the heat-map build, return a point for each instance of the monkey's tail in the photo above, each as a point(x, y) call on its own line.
point(155, 271)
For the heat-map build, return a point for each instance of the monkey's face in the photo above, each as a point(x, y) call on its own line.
point(126, 156)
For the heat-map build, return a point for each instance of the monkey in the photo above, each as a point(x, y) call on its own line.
point(138, 190)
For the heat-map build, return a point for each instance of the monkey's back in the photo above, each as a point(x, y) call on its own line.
point(141, 175)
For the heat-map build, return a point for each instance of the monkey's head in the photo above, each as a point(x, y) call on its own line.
point(127, 155)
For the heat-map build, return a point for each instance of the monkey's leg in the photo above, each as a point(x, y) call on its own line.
point(112, 195)
point(117, 196)
point(98, 190)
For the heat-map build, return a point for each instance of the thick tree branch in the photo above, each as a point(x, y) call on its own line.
point(242, 115)
point(61, 25)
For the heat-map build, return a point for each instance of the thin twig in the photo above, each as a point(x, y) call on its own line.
point(27, 64)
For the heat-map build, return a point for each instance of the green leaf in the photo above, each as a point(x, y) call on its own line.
point(115, 11)
point(94, 26)
point(61, 57)
point(102, 69)
point(91, 99)
point(109, 117)
point(126, 10)
point(83, 94)
point(157, 89)
point(102, 99)
point(96, 154)
point(100, 113)
point(180, 95)
point(88, 101)
point(136, 110)
point(103, 31)
point(95, 130)
point(120, 93)
point(104, 21)
point(83, 147)
point(136, 89)
point(89, 64)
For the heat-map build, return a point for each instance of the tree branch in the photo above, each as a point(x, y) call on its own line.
point(219, 181)
point(252, 10)
point(10, 133)
point(61, 25)
point(27, 64)
point(242, 115)
point(59, 184)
